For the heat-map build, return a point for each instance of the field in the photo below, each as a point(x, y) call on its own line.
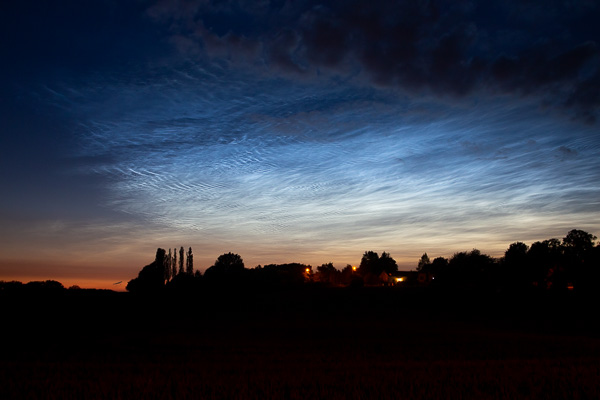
point(304, 343)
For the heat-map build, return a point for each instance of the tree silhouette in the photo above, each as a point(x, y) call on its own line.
point(438, 265)
point(152, 277)
point(372, 266)
point(44, 287)
point(226, 266)
point(189, 263)
point(368, 263)
point(579, 240)
point(516, 253)
point(168, 262)
point(187, 281)
point(470, 270)
point(181, 254)
point(387, 263)
point(327, 273)
point(174, 263)
point(424, 262)
point(544, 258)
point(347, 274)
point(579, 270)
point(517, 273)
point(577, 244)
point(229, 262)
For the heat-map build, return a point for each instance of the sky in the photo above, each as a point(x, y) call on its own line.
point(291, 131)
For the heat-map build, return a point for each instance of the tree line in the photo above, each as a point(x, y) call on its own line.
point(571, 263)
point(166, 269)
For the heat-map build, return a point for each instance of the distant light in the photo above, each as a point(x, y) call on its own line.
point(307, 270)
point(401, 279)
point(353, 268)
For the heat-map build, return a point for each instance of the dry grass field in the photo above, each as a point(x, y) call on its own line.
point(319, 343)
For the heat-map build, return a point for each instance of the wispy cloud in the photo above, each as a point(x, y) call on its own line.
point(303, 167)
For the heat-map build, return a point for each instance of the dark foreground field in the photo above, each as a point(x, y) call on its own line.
point(298, 344)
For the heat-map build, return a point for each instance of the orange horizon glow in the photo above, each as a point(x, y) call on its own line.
point(100, 284)
point(95, 277)
point(111, 270)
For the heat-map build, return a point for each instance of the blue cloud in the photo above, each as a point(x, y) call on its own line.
point(306, 166)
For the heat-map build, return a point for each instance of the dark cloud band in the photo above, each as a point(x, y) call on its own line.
point(447, 48)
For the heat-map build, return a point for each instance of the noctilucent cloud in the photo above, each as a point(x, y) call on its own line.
point(285, 131)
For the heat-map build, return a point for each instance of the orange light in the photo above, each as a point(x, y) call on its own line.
point(353, 268)
point(307, 270)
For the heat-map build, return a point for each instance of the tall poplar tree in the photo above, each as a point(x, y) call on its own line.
point(181, 255)
point(189, 263)
point(168, 261)
point(174, 263)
